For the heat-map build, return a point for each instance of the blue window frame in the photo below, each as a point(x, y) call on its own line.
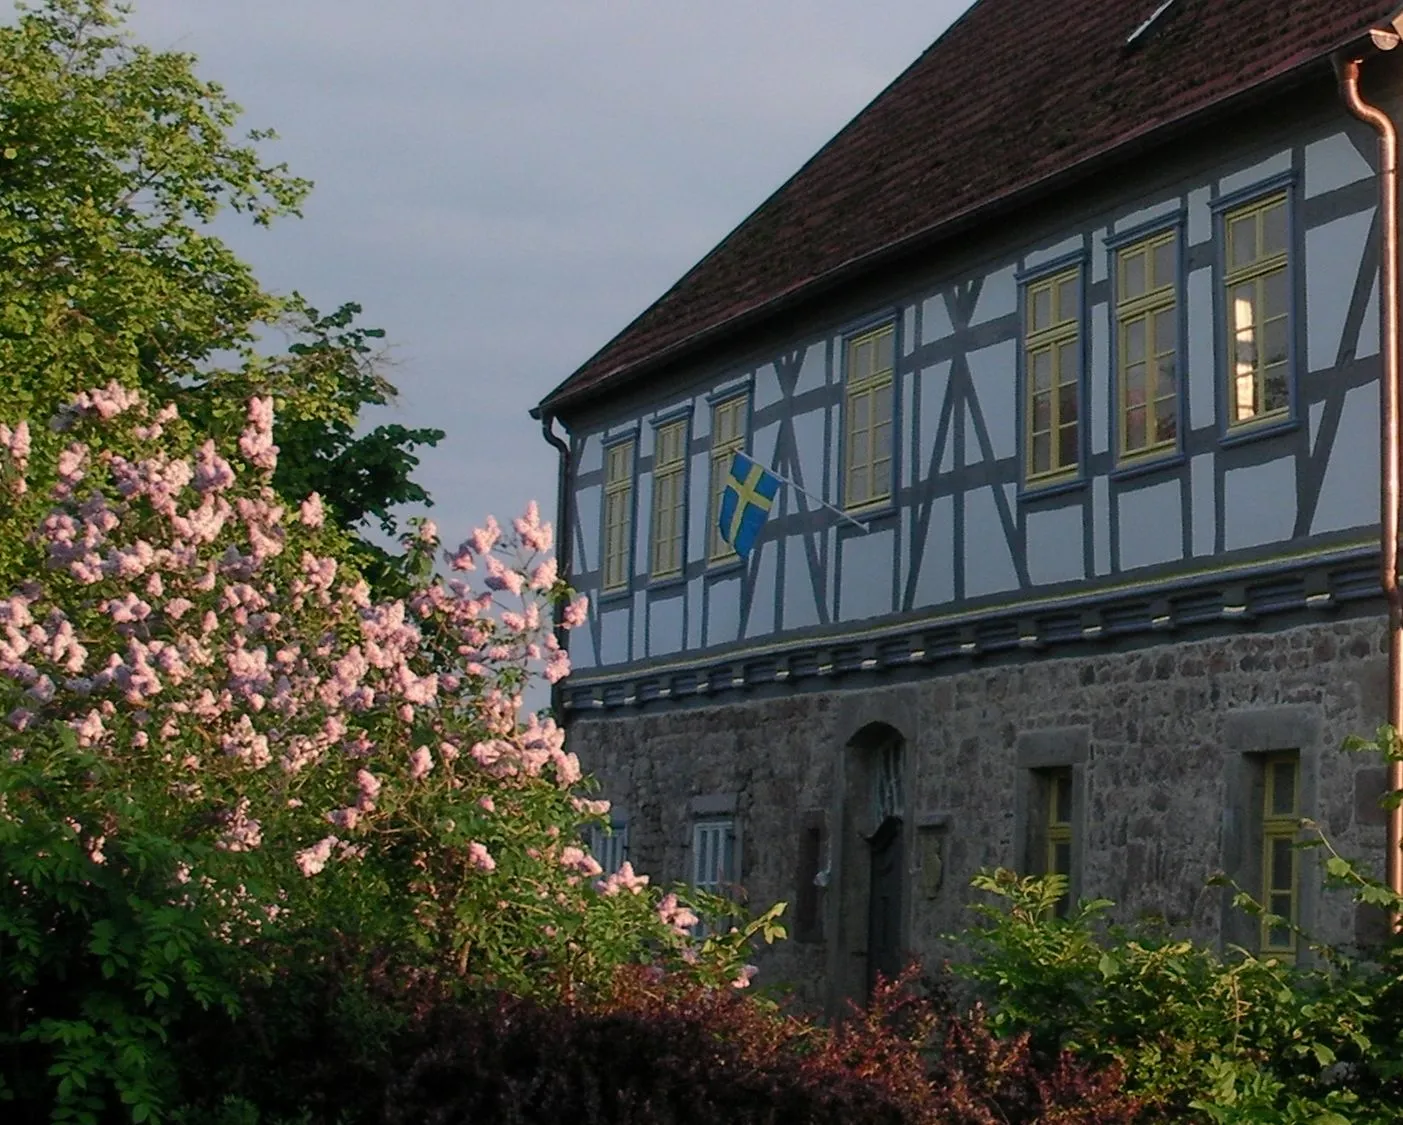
point(869, 449)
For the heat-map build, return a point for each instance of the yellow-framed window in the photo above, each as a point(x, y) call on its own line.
point(728, 420)
point(1052, 354)
point(618, 514)
point(1147, 322)
point(1258, 303)
point(1281, 875)
point(1057, 857)
point(870, 378)
point(669, 498)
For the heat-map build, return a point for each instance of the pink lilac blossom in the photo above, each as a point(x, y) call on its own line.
point(480, 858)
point(624, 879)
point(312, 513)
point(311, 861)
point(420, 763)
point(673, 913)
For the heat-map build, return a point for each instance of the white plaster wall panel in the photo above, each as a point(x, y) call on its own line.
point(613, 635)
point(1203, 398)
point(866, 576)
point(761, 620)
point(645, 438)
point(808, 440)
point(1097, 387)
point(1369, 330)
point(1204, 507)
point(1272, 166)
point(813, 371)
point(834, 439)
point(1151, 525)
point(998, 297)
point(1317, 412)
point(694, 612)
point(936, 583)
point(1200, 227)
point(1260, 504)
point(665, 626)
point(994, 373)
point(587, 516)
point(1349, 494)
point(581, 651)
point(762, 446)
point(767, 388)
point(1099, 261)
point(1055, 546)
point(591, 455)
point(723, 611)
point(989, 567)
point(1051, 253)
point(907, 329)
point(1145, 214)
point(800, 608)
point(1101, 525)
point(935, 320)
point(642, 522)
point(699, 507)
point(640, 625)
point(1333, 255)
point(935, 381)
point(701, 417)
point(1333, 163)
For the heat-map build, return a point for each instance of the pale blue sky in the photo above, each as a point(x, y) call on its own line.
point(504, 185)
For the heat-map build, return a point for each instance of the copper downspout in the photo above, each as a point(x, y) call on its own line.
point(1348, 70)
point(564, 536)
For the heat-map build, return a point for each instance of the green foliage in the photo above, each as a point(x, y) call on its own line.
point(116, 160)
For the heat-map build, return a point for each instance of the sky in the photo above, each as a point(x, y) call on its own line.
point(505, 184)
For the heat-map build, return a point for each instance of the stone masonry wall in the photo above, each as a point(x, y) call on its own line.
point(1166, 730)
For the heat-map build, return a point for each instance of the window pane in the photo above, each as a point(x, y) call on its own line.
point(860, 405)
point(1275, 297)
point(1242, 238)
point(1062, 804)
point(1135, 385)
point(1274, 342)
point(1167, 383)
point(1274, 229)
point(1067, 403)
point(1042, 370)
point(857, 486)
point(1062, 858)
point(1166, 334)
point(1283, 788)
point(882, 404)
point(1164, 264)
point(1042, 308)
point(1135, 341)
point(1042, 412)
point(1245, 352)
point(881, 440)
point(885, 343)
point(1135, 436)
point(1067, 447)
point(1042, 453)
point(857, 449)
point(1166, 420)
point(1282, 855)
point(1067, 302)
point(1243, 299)
point(861, 366)
point(1133, 274)
point(1274, 392)
point(1067, 362)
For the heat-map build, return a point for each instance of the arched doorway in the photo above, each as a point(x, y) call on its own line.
point(870, 860)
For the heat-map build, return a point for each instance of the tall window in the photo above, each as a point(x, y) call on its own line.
point(727, 439)
point(1148, 332)
point(609, 846)
point(669, 498)
point(618, 514)
point(1053, 372)
point(713, 855)
point(1281, 821)
point(1057, 843)
point(1258, 308)
point(870, 366)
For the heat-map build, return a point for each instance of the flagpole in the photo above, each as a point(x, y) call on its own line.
point(842, 515)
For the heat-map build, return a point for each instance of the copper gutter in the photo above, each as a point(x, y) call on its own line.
point(1348, 69)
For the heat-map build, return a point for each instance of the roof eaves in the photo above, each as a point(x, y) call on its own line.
point(1295, 68)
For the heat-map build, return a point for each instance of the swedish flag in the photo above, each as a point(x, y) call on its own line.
point(746, 502)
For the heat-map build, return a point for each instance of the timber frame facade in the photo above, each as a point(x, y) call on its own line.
point(1132, 411)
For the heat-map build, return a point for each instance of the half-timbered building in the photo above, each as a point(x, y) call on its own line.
point(1069, 346)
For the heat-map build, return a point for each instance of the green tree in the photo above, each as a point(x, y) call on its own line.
point(116, 159)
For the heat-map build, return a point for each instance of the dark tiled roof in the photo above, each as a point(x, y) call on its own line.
point(1015, 92)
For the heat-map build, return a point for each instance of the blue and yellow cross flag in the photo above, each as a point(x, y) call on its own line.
point(745, 503)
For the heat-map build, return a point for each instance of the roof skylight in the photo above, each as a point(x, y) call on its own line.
point(1141, 31)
